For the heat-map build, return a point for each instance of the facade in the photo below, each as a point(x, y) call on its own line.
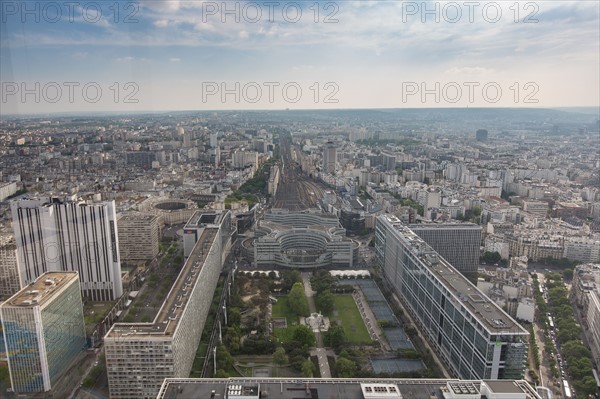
point(304, 240)
point(139, 356)
point(53, 234)
point(586, 289)
point(7, 189)
point(142, 159)
point(346, 388)
point(329, 158)
point(481, 135)
point(458, 243)
point(472, 335)
point(44, 331)
point(139, 236)
point(10, 282)
point(593, 323)
point(584, 250)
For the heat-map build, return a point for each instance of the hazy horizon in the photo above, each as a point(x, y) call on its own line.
point(168, 55)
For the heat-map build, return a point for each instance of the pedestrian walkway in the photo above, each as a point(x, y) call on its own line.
point(320, 351)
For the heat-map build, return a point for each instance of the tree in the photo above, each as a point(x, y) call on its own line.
point(345, 368)
point(304, 336)
point(568, 274)
point(224, 359)
point(335, 337)
point(297, 300)
point(325, 302)
point(279, 357)
point(307, 368)
point(233, 316)
point(289, 278)
point(221, 374)
point(491, 257)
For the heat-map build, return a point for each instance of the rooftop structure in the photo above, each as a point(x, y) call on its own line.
point(285, 388)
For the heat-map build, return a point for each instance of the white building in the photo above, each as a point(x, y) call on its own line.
point(7, 189)
point(139, 356)
point(53, 234)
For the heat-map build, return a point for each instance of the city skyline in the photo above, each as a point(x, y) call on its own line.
point(174, 55)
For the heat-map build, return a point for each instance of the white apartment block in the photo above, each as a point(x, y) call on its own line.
point(139, 356)
point(585, 250)
point(53, 234)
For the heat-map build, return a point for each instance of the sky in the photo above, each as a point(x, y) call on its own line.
point(162, 55)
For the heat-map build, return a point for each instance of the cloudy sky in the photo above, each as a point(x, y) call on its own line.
point(154, 55)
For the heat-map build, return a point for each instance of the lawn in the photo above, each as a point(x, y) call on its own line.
point(346, 313)
point(281, 309)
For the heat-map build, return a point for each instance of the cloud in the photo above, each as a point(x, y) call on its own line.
point(175, 59)
point(469, 71)
point(131, 59)
point(161, 23)
point(243, 34)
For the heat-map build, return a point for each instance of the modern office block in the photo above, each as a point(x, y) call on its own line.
point(10, 282)
point(458, 243)
point(474, 337)
point(139, 356)
point(139, 236)
point(44, 331)
point(53, 234)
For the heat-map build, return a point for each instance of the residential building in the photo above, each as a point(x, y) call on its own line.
point(473, 336)
point(54, 234)
point(10, 282)
point(139, 356)
point(139, 236)
point(44, 331)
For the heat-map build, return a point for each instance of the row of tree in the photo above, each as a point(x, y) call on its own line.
point(577, 356)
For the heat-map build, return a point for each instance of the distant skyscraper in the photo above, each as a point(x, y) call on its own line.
point(481, 135)
point(10, 282)
point(472, 335)
point(56, 235)
point(458, 243)
point(329, 157)
point(44, 331)
point(214, 140)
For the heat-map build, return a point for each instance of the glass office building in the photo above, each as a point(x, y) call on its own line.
point(474, 337)
point(43, 330)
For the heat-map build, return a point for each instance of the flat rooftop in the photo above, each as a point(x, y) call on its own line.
point(138, 216)
point(168, 316)
point(205, 219)
point(315, 388)
point(483, 308)
point(42, 290)
point(444, 226)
